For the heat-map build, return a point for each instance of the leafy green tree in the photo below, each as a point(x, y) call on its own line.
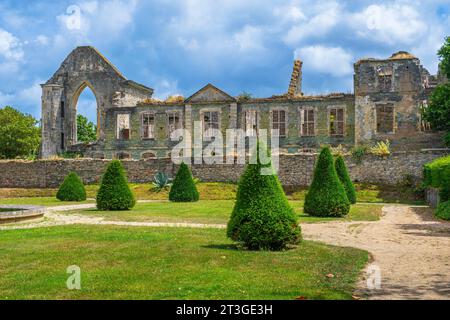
point(344, 177)
point(326, 197)
point(183, 188)
point(86, 130)
point(72, 189)
point(262, 217)
point(20, 135)
point(114, 192)
point(438, 111)
point(444, 55)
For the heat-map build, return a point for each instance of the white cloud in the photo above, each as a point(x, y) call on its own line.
point(329, 60)
point(165, 88)
point(10, 46)
point(94, 21)
point(392, 23)
point(249, 38)
point(321, 20)
point(42, 40)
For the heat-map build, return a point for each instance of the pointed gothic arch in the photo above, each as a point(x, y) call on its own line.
point(83, 67)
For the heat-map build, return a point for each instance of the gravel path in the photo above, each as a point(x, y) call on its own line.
point(409, 247)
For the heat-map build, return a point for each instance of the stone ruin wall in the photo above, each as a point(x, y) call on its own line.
point(295, 170)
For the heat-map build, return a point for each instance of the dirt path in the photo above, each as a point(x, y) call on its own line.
point(408, 246)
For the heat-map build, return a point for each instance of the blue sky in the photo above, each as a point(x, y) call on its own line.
point(178, 46)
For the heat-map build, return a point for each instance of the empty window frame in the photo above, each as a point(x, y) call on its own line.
point(307, 122)
point(148, 125)
point(384, 78)
point(210, 121)
point(174, 121)
point(123, 126)
point(279, 118)
point(385, 118)
point(337, 122)
point(251, 122)
point(63, 111)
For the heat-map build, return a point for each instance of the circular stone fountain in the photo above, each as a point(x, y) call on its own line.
point(14, 213)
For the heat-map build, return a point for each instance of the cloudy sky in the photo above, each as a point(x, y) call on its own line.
point(178, 46)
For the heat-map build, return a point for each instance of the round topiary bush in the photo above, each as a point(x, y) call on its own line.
point(443, 210)
point(72, 189)
point(326, 197)
point(262, 217)
point(344, 177)
point(183, 188)
point(114, 192)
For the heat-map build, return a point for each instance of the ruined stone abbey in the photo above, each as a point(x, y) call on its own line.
point(389, 95)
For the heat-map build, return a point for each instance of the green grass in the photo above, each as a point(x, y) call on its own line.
point(168, 263)
point(41, 201)
point(213, 212)
point(227, 191)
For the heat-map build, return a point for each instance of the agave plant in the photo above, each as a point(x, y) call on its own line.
point(161, 181)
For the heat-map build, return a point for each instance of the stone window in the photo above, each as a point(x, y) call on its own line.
point(384, 78)
point(385, 118)
point(279, 121)
point(336, 116)
point(174, 121)
point(63, 111)
point(210, 121)
point(148, 155)
point(148, 126)
point(123, 155)
point(307, 122)
point(251, 122)
point(123, 126)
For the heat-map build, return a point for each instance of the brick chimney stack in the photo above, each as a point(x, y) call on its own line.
point(295, 86)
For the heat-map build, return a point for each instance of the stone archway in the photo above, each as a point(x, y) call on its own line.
point(83, 67)
point(75, 98)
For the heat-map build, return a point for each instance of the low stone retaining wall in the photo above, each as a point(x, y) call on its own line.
point(294, 170)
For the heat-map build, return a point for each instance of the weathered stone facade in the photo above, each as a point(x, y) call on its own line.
point(294, 170)
point(386, 104)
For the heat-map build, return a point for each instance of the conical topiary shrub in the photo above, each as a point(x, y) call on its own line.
point(114, 192)
point(344, 177)
point(326, 196)
point(183, 188)
point(72, 189)
point(262, 217)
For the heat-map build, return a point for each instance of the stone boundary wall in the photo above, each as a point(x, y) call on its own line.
point(295, 170)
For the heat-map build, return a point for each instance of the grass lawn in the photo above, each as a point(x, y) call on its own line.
point(227, 191)
point(40, 201)
point(172, 263)
point(214, 212)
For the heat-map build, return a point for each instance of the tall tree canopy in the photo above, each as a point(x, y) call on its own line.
point(438, 111)
point(444, 55)
point(19, 134)
point(86, 130)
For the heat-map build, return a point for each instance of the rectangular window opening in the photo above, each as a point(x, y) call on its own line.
point(336, 121)
point(279, 121)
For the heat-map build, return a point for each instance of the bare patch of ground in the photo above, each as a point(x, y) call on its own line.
point(411, 248)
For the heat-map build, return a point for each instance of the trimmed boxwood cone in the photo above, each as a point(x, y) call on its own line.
point(72, 189)
point(344, 177)
point(262, 217)
point(114, 192)
point(183, 188)
point(326, 197)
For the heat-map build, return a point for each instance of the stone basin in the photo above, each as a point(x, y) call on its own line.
point(14, 213)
